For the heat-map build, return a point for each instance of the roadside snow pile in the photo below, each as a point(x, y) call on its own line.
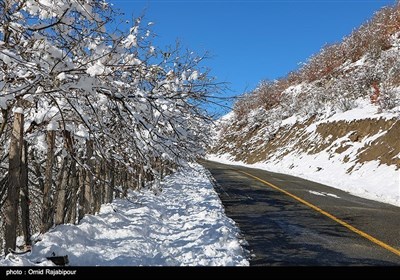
point(185, 225)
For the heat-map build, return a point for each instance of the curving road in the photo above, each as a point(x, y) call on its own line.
point(291, 221)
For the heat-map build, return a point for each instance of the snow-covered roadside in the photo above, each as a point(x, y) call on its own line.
point(184, 225)
point(371, 180)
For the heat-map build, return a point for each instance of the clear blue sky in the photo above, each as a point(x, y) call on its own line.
point(252, 40)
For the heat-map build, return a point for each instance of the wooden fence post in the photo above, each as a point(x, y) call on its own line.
point(25, 201)
point(14, 182)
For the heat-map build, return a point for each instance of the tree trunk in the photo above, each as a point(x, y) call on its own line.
point(37, 172)
point(25, 196)
point(74, 193)
point(14, 183)
point(88, 193)
point(111, 178)
point(61, 192)
point(81, 193)
point(97, 189)
point(104, 185)
point(47, 209)
point(117, 193)
point(124, 183)
point(141, 177)
point(107, 189)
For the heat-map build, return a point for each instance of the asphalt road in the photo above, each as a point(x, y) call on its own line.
point(282, 231)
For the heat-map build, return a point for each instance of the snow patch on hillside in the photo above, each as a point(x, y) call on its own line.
point(364, 109)
point(185, 225)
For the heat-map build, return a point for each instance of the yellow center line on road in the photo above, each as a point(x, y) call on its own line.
point(339, 221)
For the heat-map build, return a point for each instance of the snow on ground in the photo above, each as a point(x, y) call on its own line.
point(185, 225)
point(364, 109)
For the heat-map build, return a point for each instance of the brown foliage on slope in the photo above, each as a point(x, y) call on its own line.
point(372, 38)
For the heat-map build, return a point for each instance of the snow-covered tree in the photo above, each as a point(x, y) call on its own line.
point(97, 110)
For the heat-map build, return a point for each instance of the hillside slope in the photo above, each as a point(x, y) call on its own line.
point(336, 120)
